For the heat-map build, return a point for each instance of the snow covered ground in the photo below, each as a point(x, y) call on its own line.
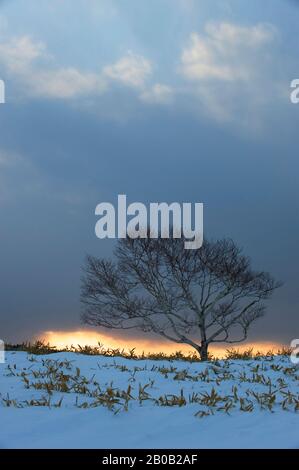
point(69, 400)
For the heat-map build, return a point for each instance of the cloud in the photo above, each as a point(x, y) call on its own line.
point(33, 68)
point(228, 69)
point(66, 83)
point(18, 54)
point(158, 94)
point(224, 52)
point(131, 70)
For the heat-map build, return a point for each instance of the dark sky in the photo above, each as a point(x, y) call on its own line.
point(197, 110)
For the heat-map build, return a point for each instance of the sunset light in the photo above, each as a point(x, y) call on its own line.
point(63, 339)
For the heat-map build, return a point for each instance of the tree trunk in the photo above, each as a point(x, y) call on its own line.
point(203, 351)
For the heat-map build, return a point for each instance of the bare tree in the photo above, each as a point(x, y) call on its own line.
point(194, 297)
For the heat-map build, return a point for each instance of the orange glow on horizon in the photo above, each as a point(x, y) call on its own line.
point(62, 339)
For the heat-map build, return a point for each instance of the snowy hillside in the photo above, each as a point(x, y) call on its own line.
point(78, 401)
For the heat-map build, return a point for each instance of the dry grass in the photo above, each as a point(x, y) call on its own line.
point(253, 389)
point(42, 348)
